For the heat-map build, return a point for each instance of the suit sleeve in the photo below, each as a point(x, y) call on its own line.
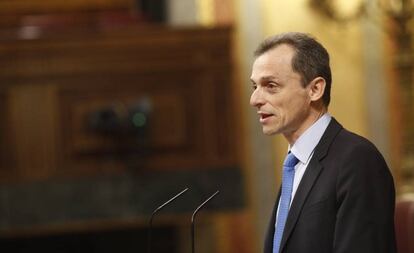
point(365, 204)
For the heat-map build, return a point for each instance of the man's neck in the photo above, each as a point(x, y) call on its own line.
point(310, 120)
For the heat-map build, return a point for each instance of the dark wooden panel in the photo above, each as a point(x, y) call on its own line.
point(3, 132)
point(48, 6)
point(168, 123)
point(146, 51)
point(32, 130)
point(185, 73)
point(7, 158)
point(171, 139)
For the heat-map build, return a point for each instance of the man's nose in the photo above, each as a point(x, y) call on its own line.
point(256, 99)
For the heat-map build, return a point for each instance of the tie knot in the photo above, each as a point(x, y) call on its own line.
point(290, 160)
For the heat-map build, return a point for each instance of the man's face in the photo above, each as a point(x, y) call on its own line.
point(283, 104)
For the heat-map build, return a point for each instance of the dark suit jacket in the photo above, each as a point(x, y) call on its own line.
point(344, 202)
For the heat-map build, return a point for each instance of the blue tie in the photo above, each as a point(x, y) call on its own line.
point(287, 185)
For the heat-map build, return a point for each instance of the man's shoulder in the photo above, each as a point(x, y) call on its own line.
point(346, 141)
point(351, 144)
point(352, 153)
point(352, 138)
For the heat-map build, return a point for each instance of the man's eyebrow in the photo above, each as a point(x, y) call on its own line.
point(267, 78)
point(264, 78)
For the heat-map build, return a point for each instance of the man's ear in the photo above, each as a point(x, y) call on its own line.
point(316, 88)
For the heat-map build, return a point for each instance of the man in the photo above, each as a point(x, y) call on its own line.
point(337, 192)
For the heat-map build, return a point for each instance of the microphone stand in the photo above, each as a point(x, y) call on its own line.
point(156, 211)
point(193, 218)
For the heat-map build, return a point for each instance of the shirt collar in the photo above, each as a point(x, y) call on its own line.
point(306, 143)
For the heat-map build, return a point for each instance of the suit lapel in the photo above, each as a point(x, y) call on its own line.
point(309, 178)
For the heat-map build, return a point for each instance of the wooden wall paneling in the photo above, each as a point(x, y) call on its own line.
point(52, 6)
point(105, 54)
point(227, 145)
point(187, 73)
point(7, 158)
point(33, 124)
point(187, 66)
point(218, 120)
point(170, 134)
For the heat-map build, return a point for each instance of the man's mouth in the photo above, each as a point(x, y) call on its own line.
point(264, 116)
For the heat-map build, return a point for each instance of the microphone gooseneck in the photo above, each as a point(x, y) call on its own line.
point(156, 211)
point(193, 219)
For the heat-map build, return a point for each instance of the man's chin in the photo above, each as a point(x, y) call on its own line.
point(269, 132)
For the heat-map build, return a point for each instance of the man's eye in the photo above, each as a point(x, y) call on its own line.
point(272, 87)
point(254, 86)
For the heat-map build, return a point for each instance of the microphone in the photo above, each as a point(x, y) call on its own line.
point(193, 218)
point(156, 211)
